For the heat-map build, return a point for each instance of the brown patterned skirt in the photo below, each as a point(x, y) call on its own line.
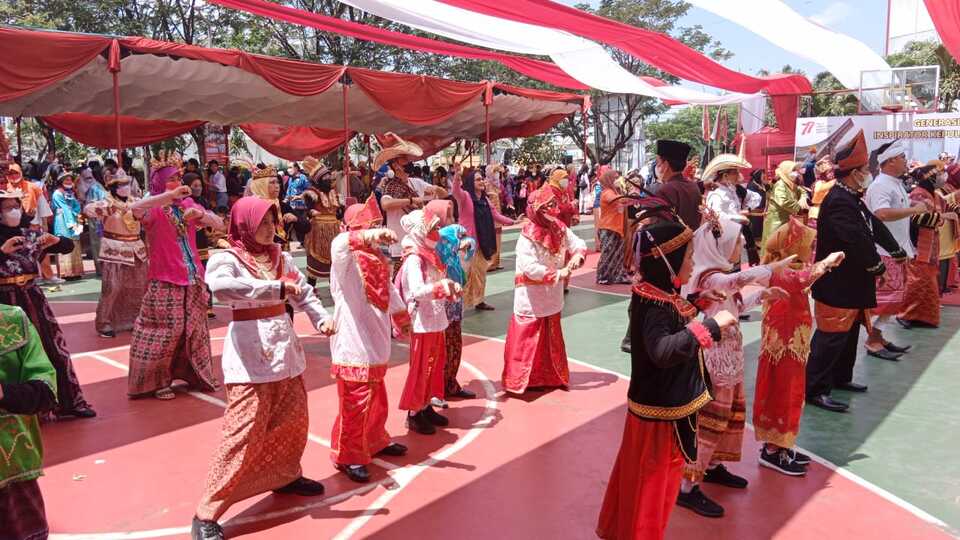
point(121, 291)
point(171, 339)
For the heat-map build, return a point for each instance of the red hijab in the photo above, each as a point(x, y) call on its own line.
point(372, 264)
point(245, 218)
point(543, 226)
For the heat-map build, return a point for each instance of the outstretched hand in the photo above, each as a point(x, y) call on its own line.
point(328, 327)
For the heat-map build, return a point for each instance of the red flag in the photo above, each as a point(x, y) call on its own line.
point(705, 124)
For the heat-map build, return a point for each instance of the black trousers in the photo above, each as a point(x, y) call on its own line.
point(832, 356)
point(625, 342)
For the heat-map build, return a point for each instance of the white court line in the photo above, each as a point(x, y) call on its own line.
point(866, 484)
point(408, 474)
point(398, 477)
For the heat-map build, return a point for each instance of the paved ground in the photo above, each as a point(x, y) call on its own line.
point(509, 468)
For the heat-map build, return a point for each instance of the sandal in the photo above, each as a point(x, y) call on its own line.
point(165, 394)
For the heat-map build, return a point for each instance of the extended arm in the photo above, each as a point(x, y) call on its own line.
point(667, 348)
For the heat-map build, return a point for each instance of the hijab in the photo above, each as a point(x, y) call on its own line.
point(448, 249)
point(784, 170)
point(159, 177)
point(371, 262)
point(712, 253)
point(482, 217)
point(417, 225)
point(543, 227)
point(245, 218)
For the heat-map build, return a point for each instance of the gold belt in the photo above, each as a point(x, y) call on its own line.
point(19, 281)
point(121, 237)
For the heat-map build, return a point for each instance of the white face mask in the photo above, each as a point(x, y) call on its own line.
point(865, 182)
point(123, 191)
point(11, 217)
point(390, 173)
point(564, 183)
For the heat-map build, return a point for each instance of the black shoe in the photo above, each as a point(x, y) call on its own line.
point(826, 402)
point(852, 387)
point(84, 411)
point(699, 503)
point(357, 473)
point(419, 423)
point(905, 324)
point(483, 306)
point(303, 487)
point(744, 317)
point(393, 449)
point(202, 529)
point(463, 393)
point(894, 348)
point(108, 334)
point(799, 457)
point(720, 475)
point(884, 354)
point(435, 418)
point(781, 462)
point(626, 346)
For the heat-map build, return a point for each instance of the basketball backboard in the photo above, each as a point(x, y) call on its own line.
point(907, 89)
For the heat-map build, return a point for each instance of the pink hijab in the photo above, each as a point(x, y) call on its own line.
point(245, 218)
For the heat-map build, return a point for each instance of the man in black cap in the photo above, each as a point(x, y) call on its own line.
point(683, 194)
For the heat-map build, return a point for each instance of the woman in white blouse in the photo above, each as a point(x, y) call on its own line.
point(265, 424)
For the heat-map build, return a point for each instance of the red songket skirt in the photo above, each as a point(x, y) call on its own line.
point(644, 483)
point(921, 303)
point(535, 354)
point(428, 355)
point(359, 431)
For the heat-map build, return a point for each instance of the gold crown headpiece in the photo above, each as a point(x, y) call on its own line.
point(166, 159)
point(265, 172)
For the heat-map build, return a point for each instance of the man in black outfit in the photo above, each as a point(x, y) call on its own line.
point(844, 297)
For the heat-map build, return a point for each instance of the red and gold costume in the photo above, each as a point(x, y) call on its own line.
point(921, 299)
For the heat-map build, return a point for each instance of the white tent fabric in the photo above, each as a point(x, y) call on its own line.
point(163, 88)
point(774, 21)
point(582, 59)
point(752, 114)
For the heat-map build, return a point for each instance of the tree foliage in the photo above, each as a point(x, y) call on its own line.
point(539, 149)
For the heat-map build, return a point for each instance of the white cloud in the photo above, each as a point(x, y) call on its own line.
point(832, 14)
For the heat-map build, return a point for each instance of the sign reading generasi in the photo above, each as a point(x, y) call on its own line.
point(924, 134)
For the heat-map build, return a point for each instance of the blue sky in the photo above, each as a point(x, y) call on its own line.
point(864, 20)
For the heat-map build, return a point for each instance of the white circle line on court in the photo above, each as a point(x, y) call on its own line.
point(398, 477)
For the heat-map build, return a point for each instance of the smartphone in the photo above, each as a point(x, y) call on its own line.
point(32, 239)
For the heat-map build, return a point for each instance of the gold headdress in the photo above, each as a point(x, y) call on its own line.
point(265, 172)
point(165, 159)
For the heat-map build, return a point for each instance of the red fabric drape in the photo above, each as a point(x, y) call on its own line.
point(785, 110)
point(768, 147)
point(46, 58)
point(294, 142)
point(537, 69)
point(527, 129)
point(430, 145)
point(656, 49)
point(416, 100)
point(945, 15)
point(100, 131)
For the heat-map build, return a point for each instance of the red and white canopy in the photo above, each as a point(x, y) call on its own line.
point(68, 79)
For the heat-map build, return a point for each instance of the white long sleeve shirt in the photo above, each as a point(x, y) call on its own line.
point(428, 312)
point(264, 350)
point(363, 331)
point(537, 264)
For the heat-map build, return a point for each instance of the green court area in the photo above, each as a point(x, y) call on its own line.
point(900, 436)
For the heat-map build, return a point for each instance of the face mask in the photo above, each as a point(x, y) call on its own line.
point(865, 182)
point(196, 191)
point(11, 217)
point(123, 191)
point(170, 186)
point(390, 173)
point(564, 183)
point(68, 187)
point(794, 175)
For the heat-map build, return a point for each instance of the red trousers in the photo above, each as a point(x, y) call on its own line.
point(534, 354)
point(359, 431)
point(644, 483)
point(428, 355)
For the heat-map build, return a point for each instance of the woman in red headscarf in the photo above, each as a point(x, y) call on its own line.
point(265, 424)
point(366, 300)
point(535, 354)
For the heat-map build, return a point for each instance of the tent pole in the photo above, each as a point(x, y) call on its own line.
point(116, 116)
point(346, 142)
point(19, 141)
point(583, 115)
point(486, 125)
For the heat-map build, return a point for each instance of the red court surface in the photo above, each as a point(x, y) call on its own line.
point(531, 467)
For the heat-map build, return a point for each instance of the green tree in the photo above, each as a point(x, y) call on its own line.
point(686, 125)
point(659, 16)
point(538, 149)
